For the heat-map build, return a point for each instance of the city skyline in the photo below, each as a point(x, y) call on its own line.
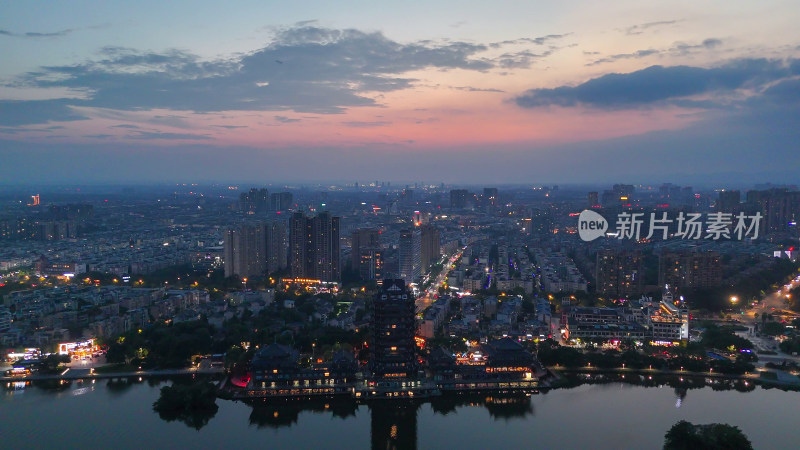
point(515, 93)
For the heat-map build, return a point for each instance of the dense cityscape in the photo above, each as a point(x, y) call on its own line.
point(393, 225)
point(368, 290)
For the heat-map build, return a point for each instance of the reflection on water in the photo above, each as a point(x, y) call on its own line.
point(393, 424)
point(571, 380)
point(279, 414)
point(498, 406)
point(83, 390)
point(119, 386)
point(192, 403)
point(53, 385)
point(681, 394)
point(680, 384)
point(196, 419)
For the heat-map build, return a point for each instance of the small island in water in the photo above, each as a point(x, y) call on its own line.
point(193, 404)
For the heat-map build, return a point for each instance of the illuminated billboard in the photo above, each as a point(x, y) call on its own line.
point(77, 348)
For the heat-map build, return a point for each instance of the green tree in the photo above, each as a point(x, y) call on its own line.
point(773, 328)
point(687, 436)
point(724, 338)
point(52, 363)
point(682, 436)
point(193, 404)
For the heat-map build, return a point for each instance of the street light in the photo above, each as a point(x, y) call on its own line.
point(734, 299)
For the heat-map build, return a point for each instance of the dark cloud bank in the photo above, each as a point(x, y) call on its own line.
point(305, 69)
point(658, 84)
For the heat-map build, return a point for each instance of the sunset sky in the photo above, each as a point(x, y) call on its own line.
point(454, 91)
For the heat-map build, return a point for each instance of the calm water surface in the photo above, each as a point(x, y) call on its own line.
point(614, 416)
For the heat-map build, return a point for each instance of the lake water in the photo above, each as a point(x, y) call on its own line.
point(614, 416)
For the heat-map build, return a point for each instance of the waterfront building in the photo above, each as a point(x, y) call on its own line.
point(275, 371)
point(668, 319)
point(580, 322)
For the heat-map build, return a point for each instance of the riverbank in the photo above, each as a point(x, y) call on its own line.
point(80, 374)
point(778, 378)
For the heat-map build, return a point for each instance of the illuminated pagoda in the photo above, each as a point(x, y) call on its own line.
point(393, 327)
point(393, 363)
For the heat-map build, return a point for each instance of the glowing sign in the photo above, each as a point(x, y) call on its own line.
point(69, 348)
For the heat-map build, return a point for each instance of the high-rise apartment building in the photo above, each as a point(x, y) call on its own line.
point(619, 272)
point(277, 246)
point(593, 199)
point(363, 238)
point(729, 202)
point(299, 244)
point(255, 249)
point(430, 246)
point(620, 194)
point(366, 255)
point(314, 246)
point(370, 266)
point(407, 197)
point(254, 201)
point(410, 254)
point(245, 251)
point(6, 319)
point(280, 201)
point(676, 195)
point(780, 209)
point(459, 198)
point(687, 269)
